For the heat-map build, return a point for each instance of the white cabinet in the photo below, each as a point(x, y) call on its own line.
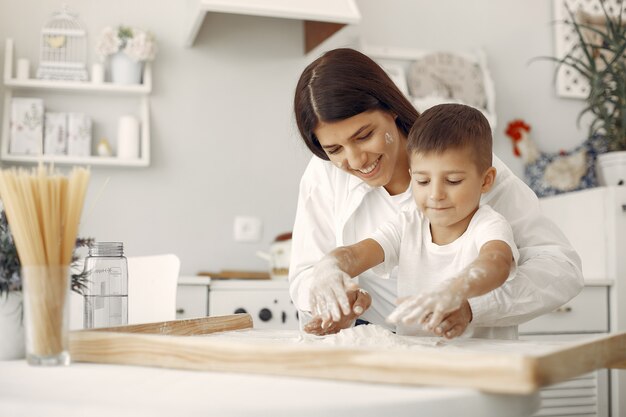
point(267, 301)
point(192, 297)
point(594, 221)
point(97, 93)
point(585, 315)
point(322, 18)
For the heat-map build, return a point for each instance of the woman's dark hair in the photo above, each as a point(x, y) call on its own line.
point(343, 83)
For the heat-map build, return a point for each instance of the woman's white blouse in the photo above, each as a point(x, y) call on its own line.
point(336, 209)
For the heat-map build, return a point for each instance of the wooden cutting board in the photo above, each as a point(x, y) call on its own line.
point(514, 367)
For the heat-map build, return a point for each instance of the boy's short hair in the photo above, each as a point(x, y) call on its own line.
point(447, 126)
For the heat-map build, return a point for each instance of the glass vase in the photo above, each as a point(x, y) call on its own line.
point(46, 290)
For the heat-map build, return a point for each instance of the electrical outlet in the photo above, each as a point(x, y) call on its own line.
point(247, 229)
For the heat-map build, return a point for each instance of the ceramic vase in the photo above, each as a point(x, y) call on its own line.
point(611, 168)
point(12, 345)
point(125, 70)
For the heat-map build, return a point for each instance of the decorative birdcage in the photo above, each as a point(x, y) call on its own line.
point(63, 49)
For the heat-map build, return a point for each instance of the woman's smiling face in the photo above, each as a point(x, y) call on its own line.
point(369, 146)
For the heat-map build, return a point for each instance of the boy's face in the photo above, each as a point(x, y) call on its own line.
point(447, 188)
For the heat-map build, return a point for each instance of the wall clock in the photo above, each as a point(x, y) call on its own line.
point(450, 76)
point(435, 77)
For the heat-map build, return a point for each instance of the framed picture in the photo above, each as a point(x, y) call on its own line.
point(569, 83)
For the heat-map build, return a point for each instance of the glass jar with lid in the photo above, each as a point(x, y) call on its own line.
point(106, 292)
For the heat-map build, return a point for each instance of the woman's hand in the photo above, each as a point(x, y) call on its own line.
point(431, 305)
point(455, 323)
point(328, 292)
point(359, 300)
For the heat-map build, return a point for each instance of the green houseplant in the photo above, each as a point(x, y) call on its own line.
point(598, 56)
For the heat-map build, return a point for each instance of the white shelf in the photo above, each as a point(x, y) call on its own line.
point(331, 12)
point(77, 86)
point(141, 92)
point(76, 160)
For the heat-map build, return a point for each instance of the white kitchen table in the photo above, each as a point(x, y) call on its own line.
point(84, 389)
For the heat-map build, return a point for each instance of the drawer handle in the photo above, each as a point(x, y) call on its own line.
point(180, 311)
point(564, 309)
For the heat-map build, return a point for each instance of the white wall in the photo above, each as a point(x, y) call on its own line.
point(223, 137)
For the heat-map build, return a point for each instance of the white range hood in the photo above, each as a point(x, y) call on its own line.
point(322, 17)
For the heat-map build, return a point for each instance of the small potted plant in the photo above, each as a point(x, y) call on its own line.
point(598, 55)
point(127, 49)
point(11, 323)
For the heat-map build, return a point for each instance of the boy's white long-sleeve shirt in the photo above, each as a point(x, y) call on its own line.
point(337, 209)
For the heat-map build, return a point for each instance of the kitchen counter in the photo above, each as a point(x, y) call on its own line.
point(193, 280)
point(111, 390)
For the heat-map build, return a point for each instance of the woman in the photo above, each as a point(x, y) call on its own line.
point(355, 121)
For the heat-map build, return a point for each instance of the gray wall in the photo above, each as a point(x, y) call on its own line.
point(224, 142)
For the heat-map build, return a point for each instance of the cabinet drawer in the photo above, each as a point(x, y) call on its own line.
point(585, 313)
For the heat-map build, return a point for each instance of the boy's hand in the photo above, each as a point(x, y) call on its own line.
point(359, 299)
point(455, 323)
point(432, 305)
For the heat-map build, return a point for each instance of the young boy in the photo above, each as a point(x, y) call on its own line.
point(450, 248)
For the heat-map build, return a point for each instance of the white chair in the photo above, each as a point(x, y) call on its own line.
point(152, 283)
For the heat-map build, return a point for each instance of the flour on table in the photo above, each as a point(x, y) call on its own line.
point(370, 335)
point(376, 337)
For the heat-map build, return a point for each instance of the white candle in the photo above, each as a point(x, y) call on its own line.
point(128, 138)
point(23, 69)
point(97, 74)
